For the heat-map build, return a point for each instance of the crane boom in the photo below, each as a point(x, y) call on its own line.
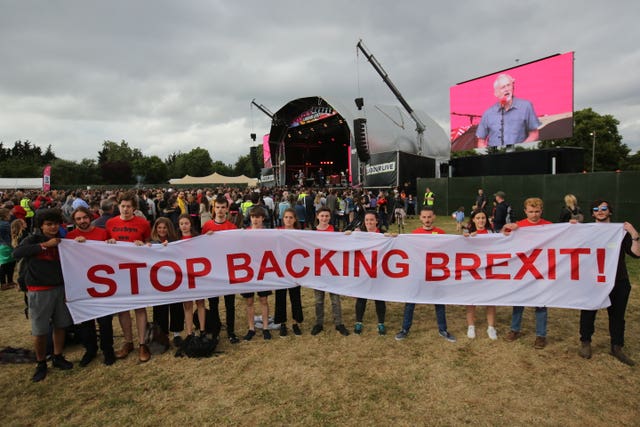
point(262, 108)
point(420, 127)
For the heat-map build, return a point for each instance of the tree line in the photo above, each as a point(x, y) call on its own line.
point(121, 164)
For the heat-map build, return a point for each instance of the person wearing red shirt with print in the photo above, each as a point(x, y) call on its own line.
point(533, 207)
point(221, 223)
point(324, 217)
point(127, 227)
point(84, 231)
point(427, 218)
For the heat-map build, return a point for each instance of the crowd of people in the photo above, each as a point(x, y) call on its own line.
point(32, 225)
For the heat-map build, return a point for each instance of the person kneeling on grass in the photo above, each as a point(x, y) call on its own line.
point(45, 285)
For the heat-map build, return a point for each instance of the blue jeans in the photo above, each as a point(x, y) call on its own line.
point(441, 316)
point(541, 320)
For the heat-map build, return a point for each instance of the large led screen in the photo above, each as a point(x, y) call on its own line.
point(526, 103)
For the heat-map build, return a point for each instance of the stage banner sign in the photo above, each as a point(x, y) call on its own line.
point(559, 265)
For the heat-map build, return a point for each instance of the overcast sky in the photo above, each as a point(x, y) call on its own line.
point(169, 76)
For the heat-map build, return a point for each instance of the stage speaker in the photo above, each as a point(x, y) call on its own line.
point(360, 136)
point(253, 153)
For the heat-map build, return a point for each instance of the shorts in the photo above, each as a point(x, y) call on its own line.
point(48, 307)
point(260, 294)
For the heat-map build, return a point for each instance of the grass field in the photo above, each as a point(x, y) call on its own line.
point(333, 380)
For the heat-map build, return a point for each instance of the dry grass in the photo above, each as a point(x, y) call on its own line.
point(335, 380)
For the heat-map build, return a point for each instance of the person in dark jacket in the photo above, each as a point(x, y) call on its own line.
point(45, 286)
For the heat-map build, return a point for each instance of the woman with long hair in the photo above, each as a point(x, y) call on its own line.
point(169, 317)
point(478, 225)
point(289, 222)
point(186, 230)
point(370, 226)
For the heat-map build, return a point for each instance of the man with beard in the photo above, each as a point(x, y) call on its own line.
point(84, 231)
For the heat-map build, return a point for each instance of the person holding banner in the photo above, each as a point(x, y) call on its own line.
point(128, 227)
point(427, 218)
point(324, 217)
point(601, 211)
point(221, 223)
point(85, 230)
point(257, 215)
point(370, 226)
point(289, 222)
point(168, 317)
point(45, 286)
point(478, 225)
point(186, 231)
point(533, 207)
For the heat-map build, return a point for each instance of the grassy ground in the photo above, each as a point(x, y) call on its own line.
point(335, 380)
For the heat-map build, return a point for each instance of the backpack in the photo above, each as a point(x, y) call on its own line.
point(155, 339)
point(197, 346)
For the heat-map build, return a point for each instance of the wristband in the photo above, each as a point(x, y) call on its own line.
point(43, 247)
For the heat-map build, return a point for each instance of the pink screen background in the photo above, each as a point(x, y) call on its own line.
point(547, 83)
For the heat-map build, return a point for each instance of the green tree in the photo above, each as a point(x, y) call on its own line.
point(243, 166)
point(591, 129)
point(196, 162)
point(222, 168)
point(152, 169)
point(66, 172)
point(116, 162)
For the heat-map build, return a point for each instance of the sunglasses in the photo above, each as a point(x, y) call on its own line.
point(602, 208)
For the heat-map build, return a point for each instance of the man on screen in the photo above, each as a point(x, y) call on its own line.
point(510, 120)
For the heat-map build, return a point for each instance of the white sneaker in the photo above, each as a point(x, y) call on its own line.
point(471, 332)
point(493, 334)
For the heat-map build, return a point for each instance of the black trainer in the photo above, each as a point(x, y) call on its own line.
point(233, 338)
point(109, 357)
point(316, 329)
point(40, 373)
point(87, 358)
point(283, 331)
point(250, 334)
point(296, 329)
point(58, 361)
point(340, 328)
point(266, 334)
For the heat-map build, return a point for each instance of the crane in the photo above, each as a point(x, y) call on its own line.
point(420, 127)
point(262, 108)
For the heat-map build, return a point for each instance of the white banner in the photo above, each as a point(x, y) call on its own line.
point(559, 265)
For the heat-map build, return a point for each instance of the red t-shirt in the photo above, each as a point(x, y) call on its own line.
point(212, 225)
point(526, 223)
point(484, 231)
point(329, 228)
point(96, 233)
point(137, 228)
point(434, 230)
